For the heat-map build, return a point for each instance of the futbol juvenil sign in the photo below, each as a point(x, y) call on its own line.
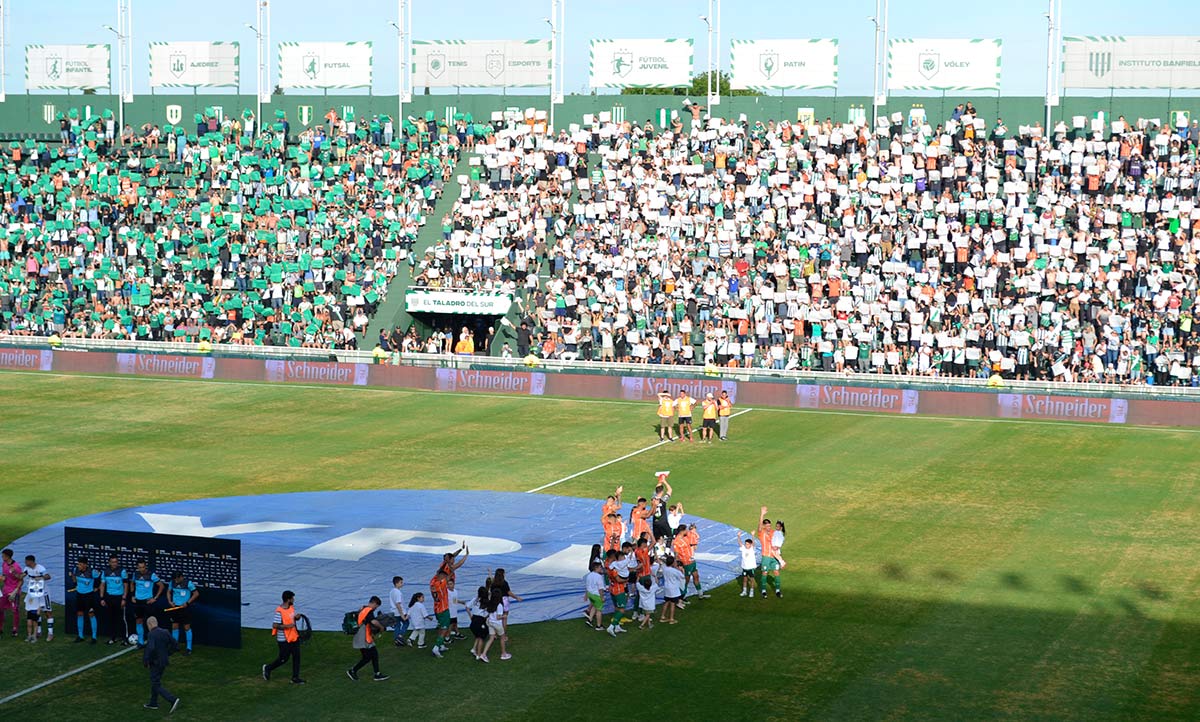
point(641, 63)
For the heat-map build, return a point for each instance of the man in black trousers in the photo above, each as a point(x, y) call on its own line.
point(159, 646)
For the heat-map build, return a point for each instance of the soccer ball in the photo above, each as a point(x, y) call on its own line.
point(133, 639)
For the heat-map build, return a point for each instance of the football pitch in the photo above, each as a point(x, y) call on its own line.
point(937, 568)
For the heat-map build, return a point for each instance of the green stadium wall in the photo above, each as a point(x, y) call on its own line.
point(36, 113)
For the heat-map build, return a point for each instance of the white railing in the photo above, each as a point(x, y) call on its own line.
point(608, 368)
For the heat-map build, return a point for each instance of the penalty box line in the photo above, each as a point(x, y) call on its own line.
point(616, 460)
point(61, 677)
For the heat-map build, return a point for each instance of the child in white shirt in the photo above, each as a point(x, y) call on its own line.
point(673, 580)
point(416, 618)
point(749, 565)
point(396, 599)
point(646, 591)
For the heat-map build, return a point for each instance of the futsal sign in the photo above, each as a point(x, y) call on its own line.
point(942, 64)
point(1131, 62)
point(783, 64)
point(337, 549)
point(641, 63)
point(481, 63)
point(325, 65)
point(194, 65)
point(59, 67)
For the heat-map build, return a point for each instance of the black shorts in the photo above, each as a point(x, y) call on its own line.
point(181, 616)
point(710, 423)
point(685, 420)
point(32, 615)
point(750, 573)
point(672, 600)
point(142, 609)
point(479, 627)
point(88, 602)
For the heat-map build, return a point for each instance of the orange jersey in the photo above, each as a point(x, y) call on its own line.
point(441, 595)
point(764, 538)
point(666, 407)
point(683, 548)
point(612, 534)
point(643, 557)
point(685, 404)
point(641, 522)
point(725, 406)
point(609, 508)
point(710, 409)
point(616, 582)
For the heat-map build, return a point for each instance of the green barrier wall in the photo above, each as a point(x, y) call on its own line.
point(36, 113)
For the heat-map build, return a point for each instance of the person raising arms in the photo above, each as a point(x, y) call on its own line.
point(770, 565)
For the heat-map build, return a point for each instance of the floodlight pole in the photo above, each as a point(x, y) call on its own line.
point(403, 26)
point(708, 94)
point(557, 22)
point(3, 49)
point(879, 83)
point(1053, 60)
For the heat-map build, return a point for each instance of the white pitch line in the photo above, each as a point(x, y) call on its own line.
point(61, 677)
point(610, 402)
point(613, 461)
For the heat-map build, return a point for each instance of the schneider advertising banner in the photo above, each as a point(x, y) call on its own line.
point(783, 64)
point(194, 65)
point(641, 63)
point(1145, 61)
point(481, 63)
point(492, 304)
point(939, 64)
point(325, 65)
point(67, 66)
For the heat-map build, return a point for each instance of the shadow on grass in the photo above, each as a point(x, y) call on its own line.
point(835, 656)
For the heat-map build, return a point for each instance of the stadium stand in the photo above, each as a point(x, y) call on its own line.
point(963, 248)
point(221, 235)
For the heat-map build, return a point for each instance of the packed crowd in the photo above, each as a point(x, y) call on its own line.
point(961, 248)
point(237, 232)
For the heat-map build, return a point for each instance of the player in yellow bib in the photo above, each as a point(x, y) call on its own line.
point(683, 405)
point(666, 410)
point(711, 408)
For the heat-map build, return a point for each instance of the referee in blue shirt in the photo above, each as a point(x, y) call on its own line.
point(86, 598)
point(146, 589)
point(114, 590)
point(182, 594)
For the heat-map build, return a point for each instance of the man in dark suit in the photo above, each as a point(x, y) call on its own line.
point(159, 646)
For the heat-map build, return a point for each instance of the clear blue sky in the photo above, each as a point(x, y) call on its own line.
point(1019, 23)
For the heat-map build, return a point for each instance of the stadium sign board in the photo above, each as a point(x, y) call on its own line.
point(194, 65)
point(1140, 62)
point(943, 64)
point(641, 63)
point(783, 64)
point(469, 302)
point(481, 63)
point(84, 67)
point(325, 65)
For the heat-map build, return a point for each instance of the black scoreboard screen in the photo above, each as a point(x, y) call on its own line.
point(213, 565)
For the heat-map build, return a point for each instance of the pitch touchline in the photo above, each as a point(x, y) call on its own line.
point(61, 677)
point(617, 402)
point(613, 461)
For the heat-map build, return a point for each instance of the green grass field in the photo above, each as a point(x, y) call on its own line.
point(937, 569)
